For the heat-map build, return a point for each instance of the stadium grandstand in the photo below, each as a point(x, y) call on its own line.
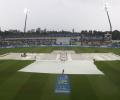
point(10, 39)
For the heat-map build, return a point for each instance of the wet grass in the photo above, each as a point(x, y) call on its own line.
point(16, 85)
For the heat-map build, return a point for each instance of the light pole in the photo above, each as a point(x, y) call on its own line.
point(26, 12)
point(110, 33)
point(106, 9)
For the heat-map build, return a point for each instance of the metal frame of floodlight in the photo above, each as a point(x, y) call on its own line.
point(26, 17)
point(106, 9)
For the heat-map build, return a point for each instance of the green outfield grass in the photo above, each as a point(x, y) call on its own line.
point(16, 85)
point(50, 49)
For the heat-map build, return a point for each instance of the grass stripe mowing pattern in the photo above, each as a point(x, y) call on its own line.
point(16, 85)
point(10, 80)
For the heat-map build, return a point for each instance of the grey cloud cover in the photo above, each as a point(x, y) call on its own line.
point(59, 14)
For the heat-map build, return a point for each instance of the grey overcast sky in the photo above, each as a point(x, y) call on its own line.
point(59, 14)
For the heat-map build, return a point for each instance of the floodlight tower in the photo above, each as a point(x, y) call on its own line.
point(26, 12)
point(109, 35)
point(106, 9)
